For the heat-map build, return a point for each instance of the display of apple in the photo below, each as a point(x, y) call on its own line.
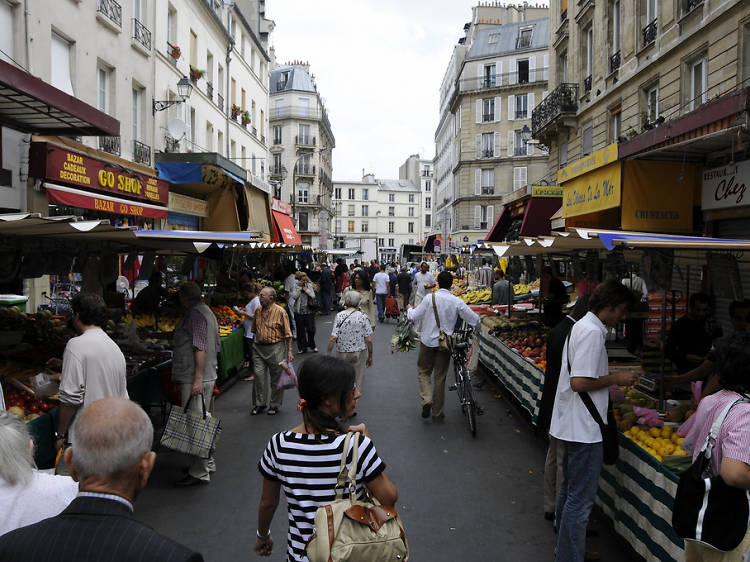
point(26, 406)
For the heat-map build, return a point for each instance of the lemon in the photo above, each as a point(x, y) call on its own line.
point(667, 431)
point(654, 432)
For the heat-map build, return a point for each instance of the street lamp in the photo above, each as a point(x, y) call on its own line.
point(184, 89)
point(525, 134)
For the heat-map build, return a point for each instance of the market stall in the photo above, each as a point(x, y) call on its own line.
point(638, 491)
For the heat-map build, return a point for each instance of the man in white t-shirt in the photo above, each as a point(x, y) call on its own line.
point(572, 423)
point(290, 282)
point(424, 282)
point(382, 283)
point(250, 294)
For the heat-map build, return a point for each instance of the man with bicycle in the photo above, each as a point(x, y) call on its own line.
point(437, 313)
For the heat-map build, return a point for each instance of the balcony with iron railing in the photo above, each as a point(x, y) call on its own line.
point(304, 170)
point(561, 102)
point(141, 35)
point(649, 33)
point(111, 10)
point(428, 173)
point(614, 62)
point(110, 144)
point(521, 150)
point(487, 153)
point(276, 170)
point(254, 131)
point(488, 117)
point(692, 4)
point(171, 144)
point(587, 83)
point(220, 102)
point(141, 153)
point(209, 90)
point(522, 113)
point(515, 78)
point(305, 141)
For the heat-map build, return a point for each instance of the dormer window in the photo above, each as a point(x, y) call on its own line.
point(524, 37)
point(283, 79)
point(493, 37)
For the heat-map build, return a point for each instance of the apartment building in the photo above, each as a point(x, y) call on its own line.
point(496, 75)
point(628, 78)
point(301, 147)
point(421, 172)
point(387, 211)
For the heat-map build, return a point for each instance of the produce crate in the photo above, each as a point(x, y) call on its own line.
point(18, 301)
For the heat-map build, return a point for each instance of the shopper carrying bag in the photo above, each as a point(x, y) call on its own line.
point(190, 434)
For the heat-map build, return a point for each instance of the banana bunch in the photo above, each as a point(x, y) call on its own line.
point(478, 295)
point(225, 331)
point(521, 289)
point(166, 324)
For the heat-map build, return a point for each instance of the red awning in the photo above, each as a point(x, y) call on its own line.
point(497, 232)
point(536, 218)
point(31, 105)
point(86, 200)
point(284, 231)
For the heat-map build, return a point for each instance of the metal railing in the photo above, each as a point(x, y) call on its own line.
point(263, 139)
point(427, 173)
point(692, 4)
point(521, 150)
point(522, 113)
point(302, 170)
point(276, 170)
point(587, 83)
point(649, 33)
point(305, 140)
point(488, 190)
point(487, 153)
point(210, 90)
point(507, 79)
point(614, 62)
point(254, 131)
point(141, 153)
point(110, 144)
point(220, 102)
point(111, 9)
point(488, 117)
point(171, 144)
point(561, 100)
point(141, 34)
point(276, 140)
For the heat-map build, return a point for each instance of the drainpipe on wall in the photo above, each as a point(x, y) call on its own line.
point(230, 46)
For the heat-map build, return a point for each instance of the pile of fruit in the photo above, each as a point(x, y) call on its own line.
point(26, 406)
point(527, 337)
point(167, 321)
point(228, 319)
point(657, 442)
point(478, 295)
point(459, 287)
point(521, 289)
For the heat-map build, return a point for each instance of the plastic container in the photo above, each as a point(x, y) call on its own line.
point(14, 300)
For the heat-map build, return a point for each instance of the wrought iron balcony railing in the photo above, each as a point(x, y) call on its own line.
point(171, 144)
point(649, 33)
point(487, 153)
point(110, 144)
point(520, 150)
point(614, 62)
point(302, 170)
point(111, 9)
point(210, 90)
point(488, 117)
point(692, 4)
point(141, 153)
point(305, 140)
point(220, 102)
point(522, 113)
point(141, 34)
point(587, 83)
point(562, 100)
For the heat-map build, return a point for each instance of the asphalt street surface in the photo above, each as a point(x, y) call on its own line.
point(460, 498)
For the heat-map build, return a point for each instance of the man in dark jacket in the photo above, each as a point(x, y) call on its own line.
point(326, 288)
point(111, 459)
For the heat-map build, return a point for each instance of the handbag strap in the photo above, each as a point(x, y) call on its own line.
point(344, 474)
point(434, 309)
point(203, 402)
point(716, 426)
point(585, 397)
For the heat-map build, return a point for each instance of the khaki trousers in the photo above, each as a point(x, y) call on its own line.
point(358, 360)
point(266, 359)
point(429, 360)
point(695, 552)
point(553, 474)
point(199, 468)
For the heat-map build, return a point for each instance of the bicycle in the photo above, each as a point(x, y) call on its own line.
point(462, 385)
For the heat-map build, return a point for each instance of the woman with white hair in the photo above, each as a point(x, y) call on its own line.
point(27, 495)
point(352, 336)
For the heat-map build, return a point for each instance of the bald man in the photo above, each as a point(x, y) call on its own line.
point(111, 459)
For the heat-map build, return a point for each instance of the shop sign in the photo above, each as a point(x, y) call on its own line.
point(58, 164)
point(546, 191)
point(724, 187)
point(281, 206)
point(188, 205)
point(76, 198)
point(595, 191)
point(658, 196)
point(595, 160)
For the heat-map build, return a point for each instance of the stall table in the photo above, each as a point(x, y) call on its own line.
point(232, 353)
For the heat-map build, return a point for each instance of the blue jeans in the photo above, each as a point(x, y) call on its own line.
point(381, 305)
point(325, 297)
point(582, 465)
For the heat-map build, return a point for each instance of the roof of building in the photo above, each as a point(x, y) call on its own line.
point(507, 38)
point(397, 185)
point(298, 78)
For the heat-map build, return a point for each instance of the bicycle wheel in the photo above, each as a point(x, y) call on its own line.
point(471, 406)
point(459, 383)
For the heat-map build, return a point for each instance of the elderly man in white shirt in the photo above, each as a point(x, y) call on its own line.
point(585, 368)
point(424, 282)
point(449, 308)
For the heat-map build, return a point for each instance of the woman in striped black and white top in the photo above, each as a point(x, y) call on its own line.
point(305, 461)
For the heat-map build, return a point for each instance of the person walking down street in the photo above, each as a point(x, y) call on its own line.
point(423, 282)
point(341, 276)
point(304, 315)
point(195, 350)
point(382, 288)
point(730, 458)
point(249, 292)
point(93, 366)
point(448, 308)
point(404, 287)
point(326, 289)
point(571, 421)
point(290, 281)
point(501, 290)
point(111, 459)
point(273, 344)
point(327, 394)
point(352, 337)
point(392, 280)
point(361, 284)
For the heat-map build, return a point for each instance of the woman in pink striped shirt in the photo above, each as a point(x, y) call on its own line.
point(731, 455)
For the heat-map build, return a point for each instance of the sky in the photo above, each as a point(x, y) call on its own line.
point(378, 65)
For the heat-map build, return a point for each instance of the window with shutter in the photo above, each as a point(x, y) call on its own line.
point(477, 182)
point(532, 68)
point(532, 101)
point(512, 72)
point(545, 72)
point(60, 64)
point(488, 181)
point(490, 215)
point(511, 142)
point(477, 216)
point(479, 145)
point(480, 76)
point(497, 109)
point(479, 111)
point(500, 74)
point(511, 107)
point(496, 147)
